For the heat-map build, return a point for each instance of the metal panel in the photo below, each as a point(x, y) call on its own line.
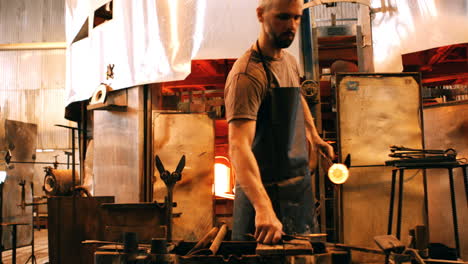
point(52, 110)
point(24, 14)
point(53, 29)
point(118, 150)
point(32, 69)
point(26, 75)
point(21, 140)
point(366, 199)
point(192, 135)
point(375, 111)
point(322, 13)
point(24, 21)
point(447, 127)
point(33, 92)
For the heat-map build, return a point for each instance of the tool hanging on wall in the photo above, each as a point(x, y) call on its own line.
point(170, 180)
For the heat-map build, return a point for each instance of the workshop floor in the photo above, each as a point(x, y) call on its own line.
point(41, 250)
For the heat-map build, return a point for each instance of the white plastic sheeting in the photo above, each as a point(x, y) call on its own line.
point(151, 41)
point(405, 26)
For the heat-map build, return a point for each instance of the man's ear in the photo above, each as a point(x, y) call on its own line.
point(260, 12)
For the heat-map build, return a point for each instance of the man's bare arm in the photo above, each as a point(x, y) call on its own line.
point(268, 229)
point(312, 134)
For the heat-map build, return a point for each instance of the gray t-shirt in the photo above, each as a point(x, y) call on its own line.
point(246, 84)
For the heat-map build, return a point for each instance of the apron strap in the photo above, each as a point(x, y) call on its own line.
point(265, 67)
point(268, 73)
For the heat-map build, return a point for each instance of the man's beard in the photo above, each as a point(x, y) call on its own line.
point(283, 40)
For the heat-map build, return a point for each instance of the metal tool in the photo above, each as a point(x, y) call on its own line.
point(409, 157)
point(285, 239)
point(170, 180)
point(410, 153)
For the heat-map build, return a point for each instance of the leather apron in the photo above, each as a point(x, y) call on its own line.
point(280, 149)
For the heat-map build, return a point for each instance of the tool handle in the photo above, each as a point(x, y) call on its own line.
point(204, 241)
point(218, 239)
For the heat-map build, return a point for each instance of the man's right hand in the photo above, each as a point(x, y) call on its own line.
point(268, 229)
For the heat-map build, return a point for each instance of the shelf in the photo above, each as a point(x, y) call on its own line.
point(108, 107)
point(462, 102)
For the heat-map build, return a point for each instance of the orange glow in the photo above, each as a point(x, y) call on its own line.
point(222, 181)
point(338, 173)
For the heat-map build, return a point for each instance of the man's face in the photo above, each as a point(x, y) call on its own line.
point(281, 20)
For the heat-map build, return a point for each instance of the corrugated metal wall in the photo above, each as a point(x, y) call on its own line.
point(342, 11)
point(33, 81)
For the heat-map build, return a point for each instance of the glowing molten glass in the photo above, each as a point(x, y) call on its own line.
point(338, 173)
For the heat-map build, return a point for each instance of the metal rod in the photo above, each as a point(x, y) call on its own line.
point(426, 202)
point(392, 202)
point(1, 221)
point(454, 212)
point(362, 249)
point(13, 244)
point(39, 162)
point(465, 179)
point(32, 257)
point(73, 159)
point(33, 46)
point(322, 201)
point(169, 213)
point(82, 137)
point(400, 203)
point(366, 166)
point(339, 215)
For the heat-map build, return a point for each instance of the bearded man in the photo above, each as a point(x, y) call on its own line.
point(272, 137)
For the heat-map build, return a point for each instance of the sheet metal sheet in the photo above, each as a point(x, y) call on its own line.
point(366, 200)
point(25, 21)
point(33, 91)
point(376, 111)
point(118, 150)
point(21, 139)
point(447, 127)
point(192, 135)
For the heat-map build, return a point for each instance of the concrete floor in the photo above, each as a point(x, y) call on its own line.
point(41, 250)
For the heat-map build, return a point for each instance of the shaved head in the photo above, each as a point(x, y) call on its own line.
point(267, 4)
